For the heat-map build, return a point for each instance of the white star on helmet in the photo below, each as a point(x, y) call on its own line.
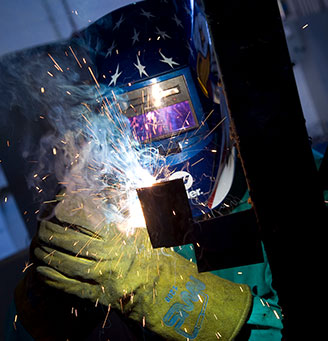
point(167, 60)
point(141, 68)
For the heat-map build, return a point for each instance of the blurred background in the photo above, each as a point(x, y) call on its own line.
point(26, 24)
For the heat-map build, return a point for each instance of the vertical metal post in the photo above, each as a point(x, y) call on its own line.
point(270, 134)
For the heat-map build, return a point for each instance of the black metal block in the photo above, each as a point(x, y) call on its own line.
point(167, 213)
point(228, 241)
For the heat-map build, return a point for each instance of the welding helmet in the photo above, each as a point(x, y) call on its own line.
point(160, 56)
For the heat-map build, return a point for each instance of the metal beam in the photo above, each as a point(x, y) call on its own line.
point(270, 134)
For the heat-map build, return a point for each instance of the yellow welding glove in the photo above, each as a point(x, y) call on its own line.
point(81, 254)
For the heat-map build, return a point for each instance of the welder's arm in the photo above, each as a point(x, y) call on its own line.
point(83, 256)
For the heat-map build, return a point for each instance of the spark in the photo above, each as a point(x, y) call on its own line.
point(203, 122)
point(99, 262)
point(106, 317)
point(86, 119)
point(118, 261)
point(58, 68)
point(56, 64)
point(50, 201)
point(14, 323)
point(276, 314)
point(50, 255)
point(54, 150)
point(27, 265)
point(305, 26)
point(223, 119)
point(195, 163)
point(93, 76)
point(78, 62)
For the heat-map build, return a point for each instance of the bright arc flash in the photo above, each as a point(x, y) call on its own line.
point(157, 95)
point(136, 218)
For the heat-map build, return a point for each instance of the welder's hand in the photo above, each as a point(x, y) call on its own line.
point(81, 255)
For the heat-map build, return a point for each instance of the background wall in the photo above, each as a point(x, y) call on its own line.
point(35, 22)
point(306, 28)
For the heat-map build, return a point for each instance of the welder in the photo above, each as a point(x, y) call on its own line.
point(87, 274)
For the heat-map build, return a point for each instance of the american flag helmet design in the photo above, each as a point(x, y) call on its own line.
point(149, 39)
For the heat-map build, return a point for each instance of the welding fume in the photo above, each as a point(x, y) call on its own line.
point(133, 101)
